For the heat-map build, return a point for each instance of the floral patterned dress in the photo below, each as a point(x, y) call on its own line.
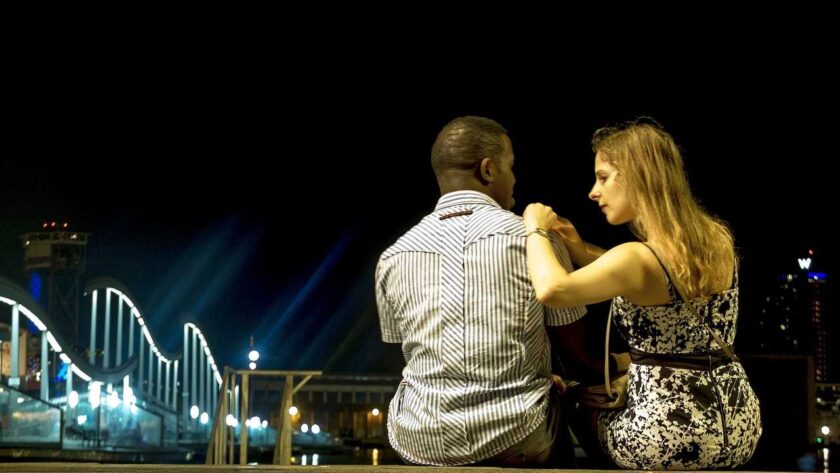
point(678, 418)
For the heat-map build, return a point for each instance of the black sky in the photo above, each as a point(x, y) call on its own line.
point(255, 200)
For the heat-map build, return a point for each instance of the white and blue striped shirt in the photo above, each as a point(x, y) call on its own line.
point(454, 290)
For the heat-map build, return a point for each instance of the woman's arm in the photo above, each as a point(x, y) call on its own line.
point(581, 252)
point(591, 253)
point(617, 272)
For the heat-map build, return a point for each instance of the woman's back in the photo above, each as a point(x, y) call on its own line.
point(673, 327)
point(688, 405)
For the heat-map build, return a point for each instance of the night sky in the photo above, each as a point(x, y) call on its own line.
point(255, 208)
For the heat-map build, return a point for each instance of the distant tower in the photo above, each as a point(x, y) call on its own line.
point(818, 285)
point(793, 316)
point(54, 260)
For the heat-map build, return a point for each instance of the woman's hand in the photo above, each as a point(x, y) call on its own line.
point(559, 384)
point(568, 233)
point(539, 216)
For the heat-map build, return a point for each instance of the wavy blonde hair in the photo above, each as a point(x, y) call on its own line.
point(698, 248)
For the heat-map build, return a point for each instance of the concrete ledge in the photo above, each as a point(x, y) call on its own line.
point(102, 468)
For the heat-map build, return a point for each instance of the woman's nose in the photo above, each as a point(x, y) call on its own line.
point(594, 195)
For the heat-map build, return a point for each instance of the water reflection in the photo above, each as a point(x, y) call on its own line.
point(356, 456)
point(305, 460)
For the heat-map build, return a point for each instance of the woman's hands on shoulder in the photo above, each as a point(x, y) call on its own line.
point(539, 215)
point(567, 232)
point(542, 216)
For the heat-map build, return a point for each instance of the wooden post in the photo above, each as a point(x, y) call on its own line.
point(231, 442)
point(243, 438)
point(283, 447)
point(216, 445)
point(233, 407)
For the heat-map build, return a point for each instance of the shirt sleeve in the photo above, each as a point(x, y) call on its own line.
point(387, 323)
point(566, 315)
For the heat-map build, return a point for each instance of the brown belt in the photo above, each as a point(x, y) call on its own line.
point(686, 361)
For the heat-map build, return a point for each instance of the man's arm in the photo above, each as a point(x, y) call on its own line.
point(581, 363)
point(387, 322)
point(567, 333)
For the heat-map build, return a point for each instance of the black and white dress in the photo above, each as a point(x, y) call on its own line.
point(677, 417)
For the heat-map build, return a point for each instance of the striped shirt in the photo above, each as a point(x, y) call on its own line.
point(454, 291)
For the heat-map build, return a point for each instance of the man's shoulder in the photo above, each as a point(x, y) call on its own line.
point(486, 222)
point(494, 221)
point(417, 238)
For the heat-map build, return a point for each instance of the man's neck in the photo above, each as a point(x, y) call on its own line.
point(455, 184)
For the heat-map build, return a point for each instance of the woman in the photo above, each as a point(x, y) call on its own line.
point(689, 405)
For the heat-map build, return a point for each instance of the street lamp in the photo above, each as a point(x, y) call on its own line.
point(73, 399)
point(253, 355)
point(230, 421)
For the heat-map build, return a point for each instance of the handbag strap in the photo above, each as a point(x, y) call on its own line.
point(607, 357)
point(727, 350)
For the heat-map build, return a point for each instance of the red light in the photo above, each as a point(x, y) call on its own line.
point(53, 224)
point(65, 225)
point(45, 224)
point(810, 252)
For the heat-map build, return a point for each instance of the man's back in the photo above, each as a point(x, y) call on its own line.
point(454, 290)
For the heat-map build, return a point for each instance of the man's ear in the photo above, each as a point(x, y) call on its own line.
point(486, 171)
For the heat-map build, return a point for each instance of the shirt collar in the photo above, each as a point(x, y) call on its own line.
point(465, 198)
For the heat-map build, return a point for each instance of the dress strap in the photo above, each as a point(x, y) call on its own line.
point(671, 292)
point(721, 343)
point(735, 275)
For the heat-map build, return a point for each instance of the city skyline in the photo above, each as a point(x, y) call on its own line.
point(253, 224)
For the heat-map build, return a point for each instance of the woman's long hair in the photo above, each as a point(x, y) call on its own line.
point(698, 249)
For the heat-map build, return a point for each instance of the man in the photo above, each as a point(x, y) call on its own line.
point(454, 291)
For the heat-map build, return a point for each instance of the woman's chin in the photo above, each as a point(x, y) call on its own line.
point(616, 221)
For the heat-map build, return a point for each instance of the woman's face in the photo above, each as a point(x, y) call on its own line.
point(609, 192)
